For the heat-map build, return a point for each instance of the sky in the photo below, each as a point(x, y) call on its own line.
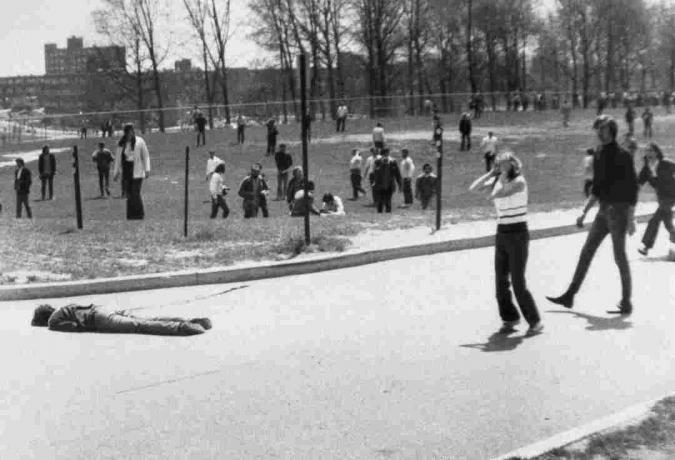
point(26, 25)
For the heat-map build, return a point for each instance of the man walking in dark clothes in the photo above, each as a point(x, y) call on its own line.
point(659, 172)
point(615, 186)
point(22, 182)
point(630, 118)
point(254, 190)
point(284, 161)
point(386, 177)
point(103, 159)
point(426, 185)
point(47, 170)
point(200, 123)
point(465, 130)
point(272, 133)
point(93, 318)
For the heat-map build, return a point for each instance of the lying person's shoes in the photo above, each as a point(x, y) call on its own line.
point(203, 322)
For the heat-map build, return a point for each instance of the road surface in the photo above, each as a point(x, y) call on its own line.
point(391, 360)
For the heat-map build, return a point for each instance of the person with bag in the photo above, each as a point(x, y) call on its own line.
point(133, 162)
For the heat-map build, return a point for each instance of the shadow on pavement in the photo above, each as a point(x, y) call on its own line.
point(599, 323)
point(499, 341)
point(665, 258)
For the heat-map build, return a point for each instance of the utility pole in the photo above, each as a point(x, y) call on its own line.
point(78, 195)
point(438, 140)
point(304, 120)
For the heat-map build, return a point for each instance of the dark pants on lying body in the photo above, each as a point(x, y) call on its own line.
point(122, 323)
point(511, 252)
point(610, 220)
point(664, 214)
point(383, 199)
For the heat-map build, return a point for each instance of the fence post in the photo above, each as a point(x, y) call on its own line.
point(438, 138)
point(76, 179)
point(187, 193)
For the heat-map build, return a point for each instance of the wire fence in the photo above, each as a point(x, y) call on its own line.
point(29, 127)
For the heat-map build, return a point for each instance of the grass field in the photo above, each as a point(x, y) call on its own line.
point(109, 245)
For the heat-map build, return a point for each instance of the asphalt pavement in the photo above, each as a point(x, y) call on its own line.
point(391, 360)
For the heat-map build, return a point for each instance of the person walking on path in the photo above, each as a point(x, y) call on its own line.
point(355, 174)
point(647, 119)
point(272, 133)
point(94, 318)
point(284, 162)
point(615, 186)
point(103, 159)
point(47, 170)
point(378, 137)
point(510, 195)
point(22, 183)
point(218, 191)
point(253, 190)
point(489, 148)
point(465, 130)
point(407, 173)
point(385, 179)
point(200, 125)
point(659, 172)
point(630, 118)
point(426, 185)
point(241, 128)
point(133, 162)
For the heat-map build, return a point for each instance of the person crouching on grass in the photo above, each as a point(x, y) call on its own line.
point(332, 205)
point(218, 191)
point(510, 196)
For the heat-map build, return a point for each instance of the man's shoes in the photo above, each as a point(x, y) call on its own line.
point(203, 322)
point(625, 308)
point(534, 329)
point(508, 326)
point(643, 250)
point(566, 300)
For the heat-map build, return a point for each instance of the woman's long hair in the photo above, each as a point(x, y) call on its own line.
point(128, 137)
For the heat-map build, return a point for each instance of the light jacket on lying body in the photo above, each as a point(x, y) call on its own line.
point(140, 156)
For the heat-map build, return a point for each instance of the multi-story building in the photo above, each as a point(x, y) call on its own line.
point(76, 59)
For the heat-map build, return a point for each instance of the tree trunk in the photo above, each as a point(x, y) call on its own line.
point(158, 92)
point(469, 46)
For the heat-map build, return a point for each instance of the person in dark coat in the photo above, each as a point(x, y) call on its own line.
point(200, 125)
point(22, 183)
point(465, 130)
point(272, 133)
point(47, 170)
point(426, 185)
point(386, 177)
point(283, 161)
point(103, 159)
point(254, 190)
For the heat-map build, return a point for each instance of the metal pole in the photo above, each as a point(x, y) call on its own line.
point(78, 196)
point(187, 193)
point(438, 137)
point(304, 120)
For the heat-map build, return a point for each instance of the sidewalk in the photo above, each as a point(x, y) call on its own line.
point(367, 247)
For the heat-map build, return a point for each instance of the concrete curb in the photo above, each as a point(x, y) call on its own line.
point(630, 414)
point(272, 270)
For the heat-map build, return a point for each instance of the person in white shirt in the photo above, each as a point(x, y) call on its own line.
point(369, 171)
point(407, 174)
point(378, 136)
point(355, 174)
point(332, 205)
point(211, 164)
point(342, 113)
point(489, 148)
point(133, 162)
point(508, 190)
point(218, 191)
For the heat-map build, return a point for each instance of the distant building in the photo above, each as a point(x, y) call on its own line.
point(184, 65)
point(76, 59)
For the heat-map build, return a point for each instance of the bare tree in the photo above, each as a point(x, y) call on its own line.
point(197, 14)
point(220, 17)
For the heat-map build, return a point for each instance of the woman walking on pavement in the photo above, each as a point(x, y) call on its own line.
point(508, 190)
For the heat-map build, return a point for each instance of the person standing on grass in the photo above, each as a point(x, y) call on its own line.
point(47, 170)
point(103, 159)
point(22, 183)
point(355, 174)
point(272, 133)
point(218, 191)
point(284, 162)
point(615, 186)
point(489, 148)
point(342, 113)
point(332, 205)
point(295, 184)
point(83, 130)
point(465, 130)
point(508, 191)
point(426, 185)
point(241, 128)
point(407, 173)
point(378, 137)
point(647, 119)
point(253, 190)
point(303, 204)
point(200, 125)
point(211, 165)
point(133, 162)
point(386, 177)
point(566, 110)
point(659, 172)
point(369, 172)
point(630, 118)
